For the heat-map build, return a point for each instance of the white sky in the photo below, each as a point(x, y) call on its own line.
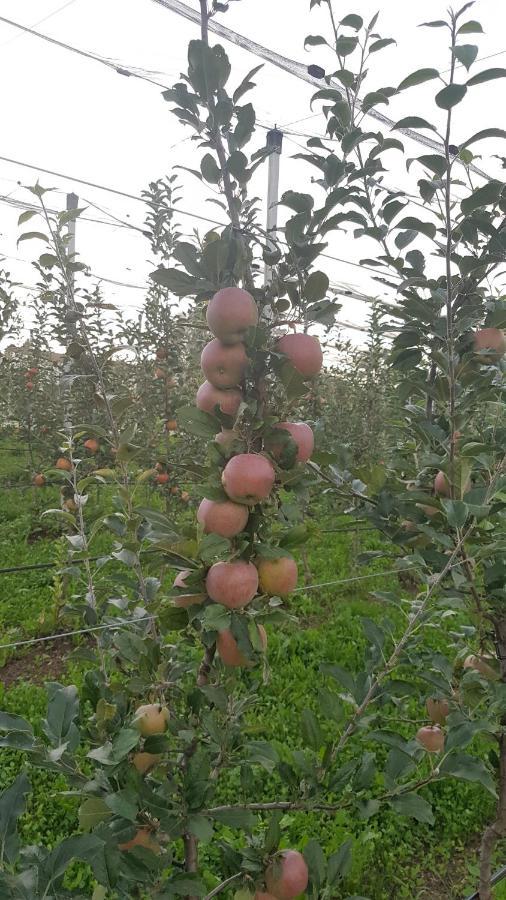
point(73, 115)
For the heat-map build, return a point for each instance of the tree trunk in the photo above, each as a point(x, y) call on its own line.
point(497, 829)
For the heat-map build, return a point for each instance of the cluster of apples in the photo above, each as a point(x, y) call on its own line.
point(247, 478)
point(431, 737)
point(29, 376)
point(161, 373)
point(64, 464)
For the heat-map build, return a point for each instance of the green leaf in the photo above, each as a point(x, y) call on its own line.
point(27, 215)
point(378, 45)
point(484, 196)
point(481, 135)
point(435, 163)
point(213, 546)
point(486, 75)
point(246, 84)
point(201, 827)
point(339, 863)
point(185, 885)
point(471, 27)
point(413, 122)
point(311, 732)
point(410, 223)
point(210, 169)
point(91, 812)
point(216, 617)
point(196, 421)
point(391, 209)
point(178, 282)
point(316, 286)
point(436, 23)
point(12, 805)
point(466, 54)
point(237, 166)
point(10, 722)
point(468, 768)
point(352, 21)
point(326, 94)
point(297, 201)
point(414, 806)
point(451, 95)
point(123, 804)
point(84, 846)
point(245, 125)
point(314, 40)
point(316, 863)
point(459, 736)
point(33, 235)
point(208, 67)
point(456, 512)
point(261, 753)
point(236, 818)
point(418, 77)
point(62, 709)
point(345, 45)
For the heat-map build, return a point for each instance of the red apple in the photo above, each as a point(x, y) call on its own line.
point(491, 339)
point(230, 313)
point(248, 478)
point(224, 365)
point(226, 519)
point(162, 478)
point(437, 710)
point(29, 385)
point(192, 597)
point(431, 738)
point(441, 485)
point(228, 649)
point(303, 436)
point(287, 875)
point(233, 584)
point(32, 371)
point(171, 425)
point(228, 401)
point(92, 445)
point(64, 464)
point(303, 351)
point(261, 895)
point(277, 577)
point(39, 480)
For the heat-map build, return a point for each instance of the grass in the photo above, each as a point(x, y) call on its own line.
point(393, 857)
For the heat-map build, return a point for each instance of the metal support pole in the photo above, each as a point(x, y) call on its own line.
point(72, 203)
point(275, 146)
point(70, 252)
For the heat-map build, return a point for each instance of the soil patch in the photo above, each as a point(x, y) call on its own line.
point(38, 664)
point(449, 882)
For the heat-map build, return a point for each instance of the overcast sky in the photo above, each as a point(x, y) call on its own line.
point(75, 116)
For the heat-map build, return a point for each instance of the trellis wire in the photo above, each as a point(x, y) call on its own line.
point(311, 587)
